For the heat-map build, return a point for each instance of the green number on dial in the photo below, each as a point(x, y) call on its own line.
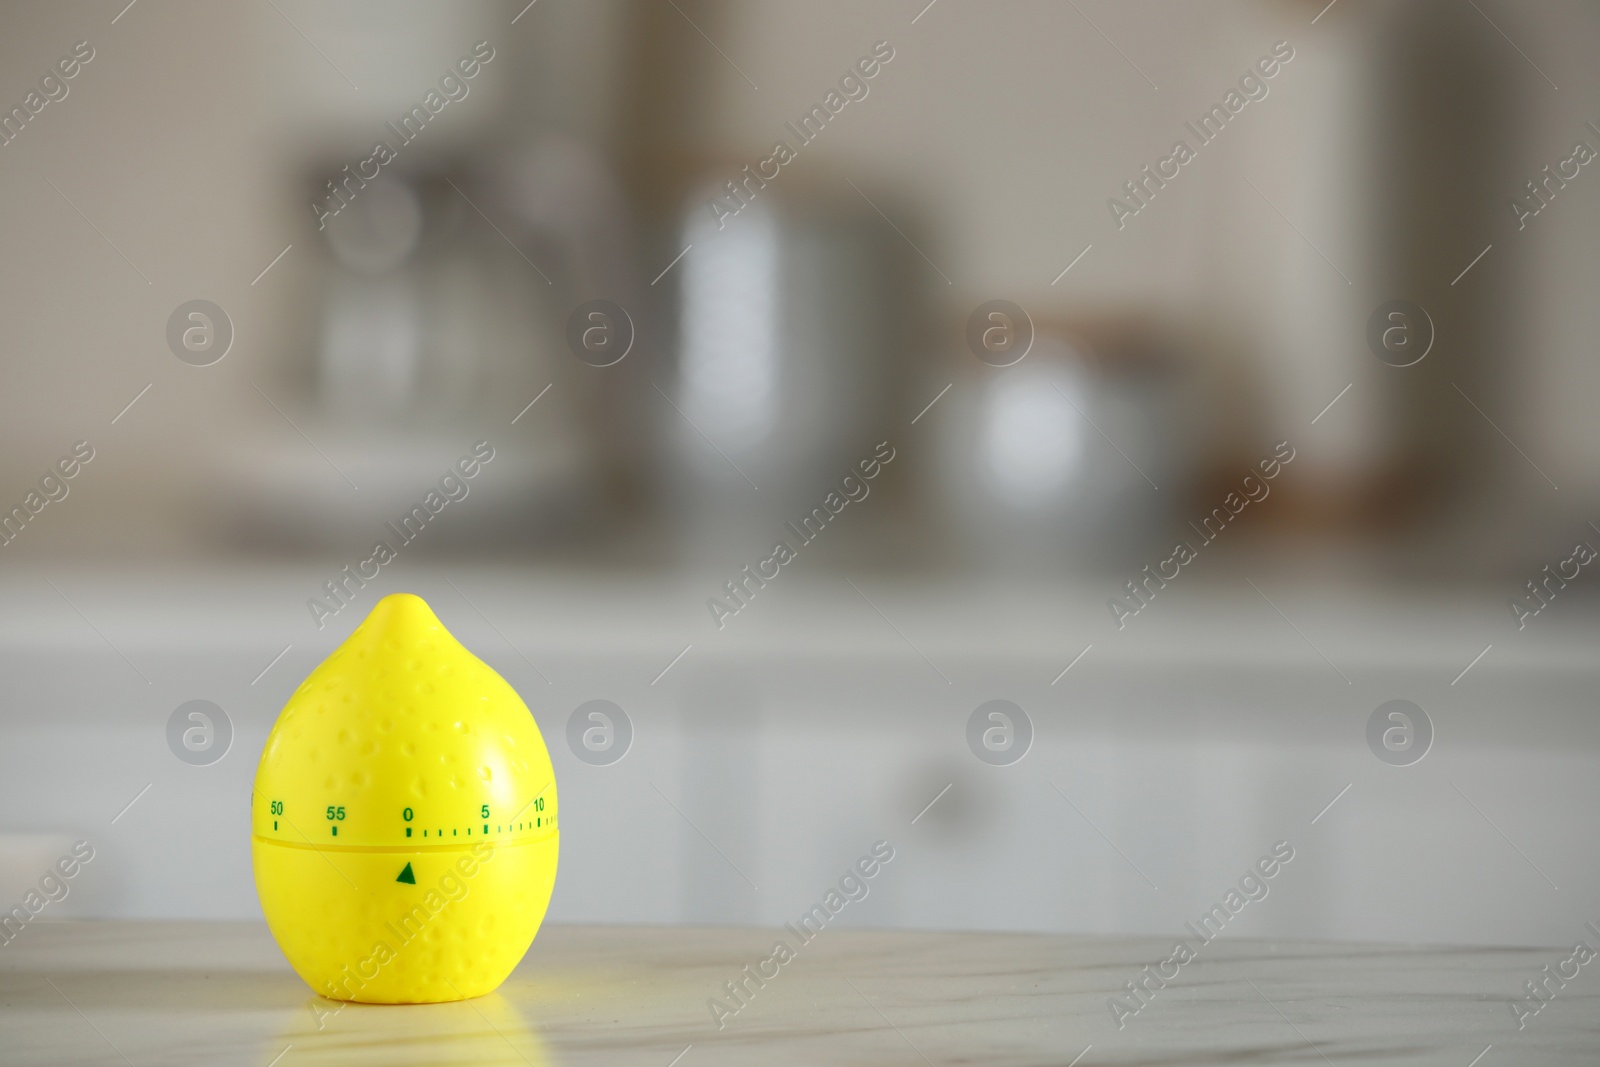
point(335, 813)
point(407, 814)
point(485, 811)
point(277, 807)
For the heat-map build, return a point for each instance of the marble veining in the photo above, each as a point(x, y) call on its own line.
point(119, 993)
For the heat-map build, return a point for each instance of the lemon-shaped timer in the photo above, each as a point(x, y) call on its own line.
point(404, 823)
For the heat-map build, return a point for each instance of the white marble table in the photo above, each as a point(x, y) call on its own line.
point(89, 993)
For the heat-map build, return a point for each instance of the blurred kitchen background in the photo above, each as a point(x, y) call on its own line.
point(741, 366)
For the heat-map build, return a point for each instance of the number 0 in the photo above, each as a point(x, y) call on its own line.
point(407, 814)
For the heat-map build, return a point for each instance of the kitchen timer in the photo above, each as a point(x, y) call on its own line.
point(404, 826)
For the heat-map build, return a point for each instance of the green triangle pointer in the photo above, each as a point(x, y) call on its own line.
point(407, 877)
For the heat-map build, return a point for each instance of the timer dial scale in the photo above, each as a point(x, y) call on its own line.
point(404, 824)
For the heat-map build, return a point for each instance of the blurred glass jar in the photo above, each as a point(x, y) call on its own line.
point(1075, 456)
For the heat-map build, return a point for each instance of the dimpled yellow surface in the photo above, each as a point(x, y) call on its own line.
point(403, 824)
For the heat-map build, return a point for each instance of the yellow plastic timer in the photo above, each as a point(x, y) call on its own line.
point(404, 822)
